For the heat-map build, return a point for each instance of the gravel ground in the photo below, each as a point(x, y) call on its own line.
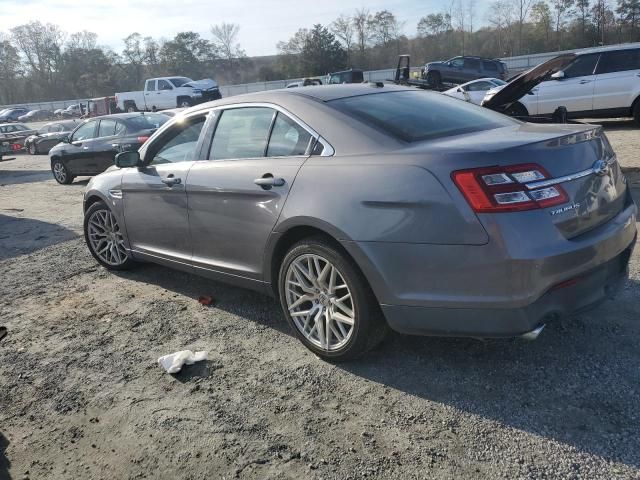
point(82, 397)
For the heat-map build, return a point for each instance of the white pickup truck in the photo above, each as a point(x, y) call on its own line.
point(168, 92)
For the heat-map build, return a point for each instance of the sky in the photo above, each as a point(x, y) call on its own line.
point(262, 23)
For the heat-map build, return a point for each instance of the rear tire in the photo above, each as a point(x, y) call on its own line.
point(130, 108)
point(325, 292)
point(104, 238)
point(636, 110)
point(184, 103)
point(33, 149)
point(60, 172)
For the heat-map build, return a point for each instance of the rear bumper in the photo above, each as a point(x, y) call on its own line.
point(503, 288)
point(579, 294)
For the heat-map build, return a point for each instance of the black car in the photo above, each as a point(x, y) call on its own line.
point(91, 148)
point(12, 114)
point(464, 69)
point(347, 76)
point(49, 135)
point(36, 116)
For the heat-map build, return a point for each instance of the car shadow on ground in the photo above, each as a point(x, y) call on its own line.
point(4, 461)
point(614, 124)
point(542, 387)
point(21, 236)
point(18, 177)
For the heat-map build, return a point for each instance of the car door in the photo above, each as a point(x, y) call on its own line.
point(155, 198)
point(150, 94)
point(452, 71)
point(78, 154)
point(236, 196)
point(165, 95)
point(573, 91)
point(617, 80)
point(104, 147)
point(471, 69)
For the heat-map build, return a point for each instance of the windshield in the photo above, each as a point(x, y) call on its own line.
point(414, 115)
point(179, 81)
point(147, 121)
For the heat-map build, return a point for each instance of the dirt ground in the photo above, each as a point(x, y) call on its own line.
point(81, 395)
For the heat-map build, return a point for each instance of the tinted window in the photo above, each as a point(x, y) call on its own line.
point(164, 85)
point(107, 128)
point(287, 138)
point(582, 66)
point(489, 66)
point(479, 86)
point(147, 121)
point(179, 143)
point(85, 132)
point(472, 63)
point(619, 61)
point(242, 133)
point(414, 115)
point(457, 62)
point(151, 85)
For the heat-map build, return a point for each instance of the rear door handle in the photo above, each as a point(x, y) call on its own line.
point(170, 181)
point(268, 180)
point(582, 82)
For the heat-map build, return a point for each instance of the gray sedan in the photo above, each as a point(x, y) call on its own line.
point(364, 207)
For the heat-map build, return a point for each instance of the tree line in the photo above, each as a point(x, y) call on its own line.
point(40, 62)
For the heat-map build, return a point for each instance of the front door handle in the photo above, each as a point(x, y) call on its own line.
point(268, 180)
point(170, 181)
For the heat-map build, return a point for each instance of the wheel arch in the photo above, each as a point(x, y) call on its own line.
point(635, 102)
point(281, 242)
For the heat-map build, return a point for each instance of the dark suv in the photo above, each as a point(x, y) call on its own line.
point(464, 69)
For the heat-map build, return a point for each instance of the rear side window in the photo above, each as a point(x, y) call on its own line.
point(287, 138)
point(489, 66)
point(582, 66)
point(619, 61)
point(414, 115)
point(106, 128)
point(151, 85)
point(472, 63)
point(242, 133)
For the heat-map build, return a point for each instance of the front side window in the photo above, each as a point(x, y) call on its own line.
point(457, 62)
point(582, 66)
point(85, 132)
point(179, 81)
point(179, 143)
point(287, 138)
point(619, 61)
point(479, 86)
point(242, 133)
point(414, 115)
point(164, 85)
point(106, 128)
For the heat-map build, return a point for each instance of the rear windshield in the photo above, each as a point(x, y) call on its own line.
point(147, 121)
point(415, 115)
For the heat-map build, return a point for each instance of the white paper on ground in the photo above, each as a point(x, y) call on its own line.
point(173, 362)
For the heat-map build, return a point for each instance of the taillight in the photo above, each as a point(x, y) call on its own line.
point(143, 139)
point(16, 147)
point(503, 189)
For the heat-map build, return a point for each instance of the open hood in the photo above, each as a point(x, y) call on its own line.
point(523, 83)
point(205, 84)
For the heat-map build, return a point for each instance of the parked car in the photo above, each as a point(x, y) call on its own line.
point(411, 209)
point(76, 110)
point(97, 107)
point(353, 75)
point(168, 92)
point(307, 82)
point(36, 116)
point(15, 133)
point(464, 69)
point(57, 113)
point(475, 90)
point(49, 135)
point(12, 114)
point(600, 82)
point(92, 146)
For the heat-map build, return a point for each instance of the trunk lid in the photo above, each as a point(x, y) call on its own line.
point(576, 158)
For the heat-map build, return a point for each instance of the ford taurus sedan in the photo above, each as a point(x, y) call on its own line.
point(363, 207)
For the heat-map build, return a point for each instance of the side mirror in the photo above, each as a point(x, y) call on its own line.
point(558, 75)
point(128, 159)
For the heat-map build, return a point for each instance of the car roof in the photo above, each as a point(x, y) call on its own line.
point(125, 116)
point(609, 48)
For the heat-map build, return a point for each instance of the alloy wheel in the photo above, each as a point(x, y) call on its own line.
point(60, 172)
point(105, 238)
point(319, 301)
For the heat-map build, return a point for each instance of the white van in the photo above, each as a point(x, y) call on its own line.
point(599, 82)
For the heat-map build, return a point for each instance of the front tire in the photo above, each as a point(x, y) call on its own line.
point(104, 238)
point(184, 103)
point(327, 301)
point(517, 110)
point(434, 78)
point(636, 110)
point(61, 173)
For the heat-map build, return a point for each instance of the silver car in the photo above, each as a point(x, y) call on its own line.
point(363, 207)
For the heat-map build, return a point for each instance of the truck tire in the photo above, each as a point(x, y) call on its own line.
point(517, 110)
point(184, 102)
point(434, 78)
point(130, 107)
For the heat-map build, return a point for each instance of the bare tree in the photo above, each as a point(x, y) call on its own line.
point(501, 17)
point(134, 55)
point(225, 40)
point(460, 16)
point(344, 30)
point(561, 8)
point(362, 22)
point(522, 8)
